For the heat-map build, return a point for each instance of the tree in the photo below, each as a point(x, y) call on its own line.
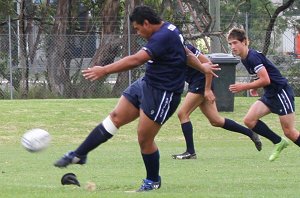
point(55, 22)
point(272, 23)
point(57, 78)
point(123, 77)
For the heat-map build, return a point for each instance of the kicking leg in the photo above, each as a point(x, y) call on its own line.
point(123, 113)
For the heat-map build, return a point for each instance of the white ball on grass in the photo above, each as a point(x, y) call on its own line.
point(36, 140)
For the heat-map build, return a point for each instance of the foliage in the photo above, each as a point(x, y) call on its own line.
point(293, 76)
point(256, 10)
point(6, 9)
point(43, 16)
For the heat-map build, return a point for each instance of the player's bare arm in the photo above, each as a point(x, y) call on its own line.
point(262, 81)
point(124, 64)
point(208, 93)
point(206, 68)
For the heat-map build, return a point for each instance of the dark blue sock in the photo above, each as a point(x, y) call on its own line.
point(151, 162)
point(262, 129)
point(98, 136)
point(297, 142)
point(187, 130)
point(235, 127)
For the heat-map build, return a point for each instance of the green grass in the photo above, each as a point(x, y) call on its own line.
point(228, 164)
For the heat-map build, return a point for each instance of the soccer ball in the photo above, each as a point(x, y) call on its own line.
point(36, 140)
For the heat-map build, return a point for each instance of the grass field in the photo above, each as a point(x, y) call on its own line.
point(228, 164)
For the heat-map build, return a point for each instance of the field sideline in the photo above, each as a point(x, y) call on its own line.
point(228, 164)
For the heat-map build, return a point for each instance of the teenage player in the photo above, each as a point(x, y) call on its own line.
point(200, 95)
point(152, 98)
point(278, 96)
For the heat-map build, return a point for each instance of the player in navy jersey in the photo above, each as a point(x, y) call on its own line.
point(278, 96)
point(200, 95)
point(152, 98)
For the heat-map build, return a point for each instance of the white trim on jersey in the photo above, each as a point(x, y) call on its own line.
point(258, 67)
point(198, 53)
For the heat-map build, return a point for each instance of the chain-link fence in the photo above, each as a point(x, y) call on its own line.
point(49, 66)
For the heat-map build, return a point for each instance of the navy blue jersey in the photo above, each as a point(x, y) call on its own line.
point(192, 74)
point(166, 68)
point(255, 61)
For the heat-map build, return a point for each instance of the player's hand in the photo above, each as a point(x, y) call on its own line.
point(209, 68)
point(94, 73)
point(209, 95)
point(235, 88)
point(253, 92)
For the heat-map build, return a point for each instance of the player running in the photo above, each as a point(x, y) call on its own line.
point(278, 95)
point(201, 95)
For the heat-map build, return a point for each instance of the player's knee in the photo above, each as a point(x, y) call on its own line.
point(144, 142)
point(290, 132)
point(115, 119)
point(109, 125)
point(249, 122)
point(216, 124)
point(182, 115)
point(216, 121)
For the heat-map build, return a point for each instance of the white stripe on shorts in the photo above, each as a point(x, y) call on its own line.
point(284, 104)
point(288, 99)
point(171, 97)
point(160, 106)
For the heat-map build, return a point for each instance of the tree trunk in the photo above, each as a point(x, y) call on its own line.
point(123, 78)
point(23, 58)
point(272, 23)
point(58, 80)
point(109, 41)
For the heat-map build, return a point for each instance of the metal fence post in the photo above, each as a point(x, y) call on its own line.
point(129, 46)
point(10, 59)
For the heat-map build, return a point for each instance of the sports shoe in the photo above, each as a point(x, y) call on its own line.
point(70, 158)
point(255, 138)
point(185, 155)
point(278, 148)
point(148, 185)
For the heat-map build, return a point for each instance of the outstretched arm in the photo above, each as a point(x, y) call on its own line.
point(124, 64)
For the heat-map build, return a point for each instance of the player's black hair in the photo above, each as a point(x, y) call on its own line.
point(238, 34)
point(142, 13)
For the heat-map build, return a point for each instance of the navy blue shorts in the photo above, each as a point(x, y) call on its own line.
point(282, 103)
point(197, 86)
point(158, 105)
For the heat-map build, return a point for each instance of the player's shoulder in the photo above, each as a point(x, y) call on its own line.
point(168, 34)
point(253, 52)
point(254, 55)
point(193, 49)
point(168, 29)
point(253, 58)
